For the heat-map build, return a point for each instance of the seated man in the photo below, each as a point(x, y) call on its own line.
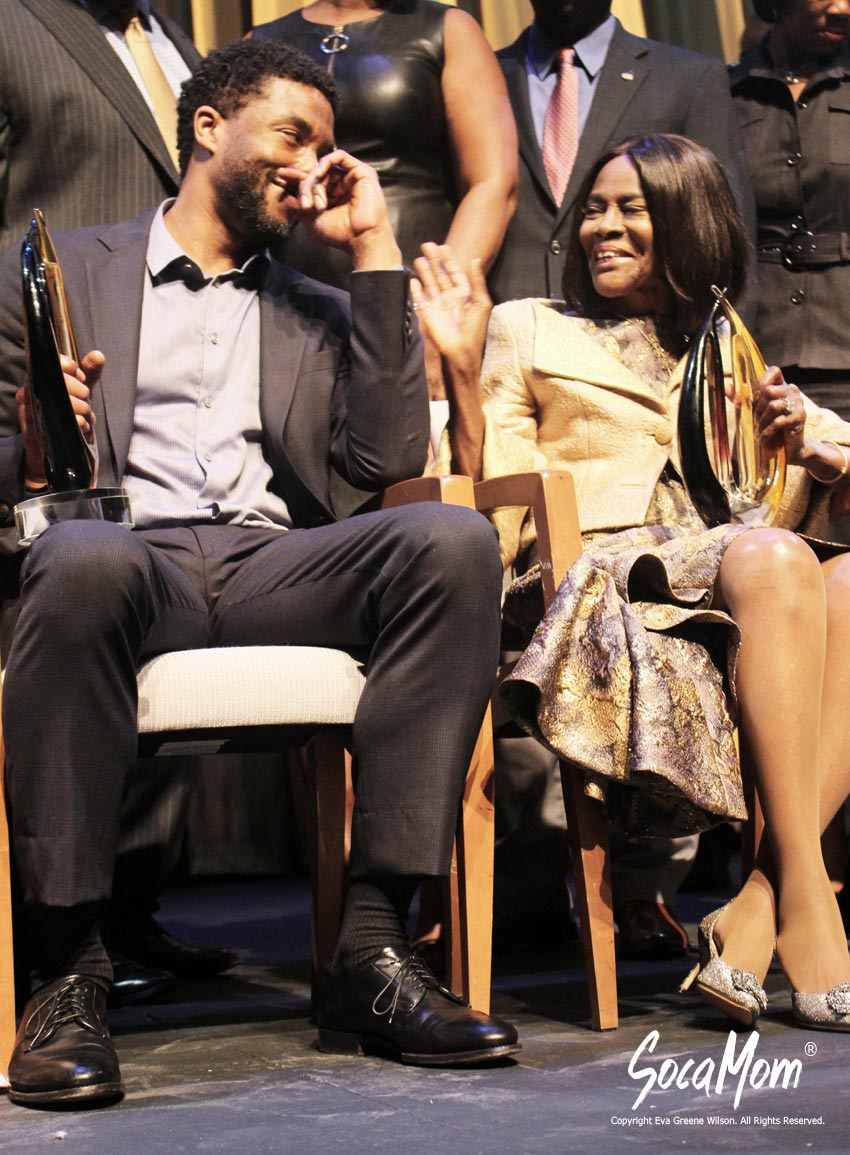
point(222, 389)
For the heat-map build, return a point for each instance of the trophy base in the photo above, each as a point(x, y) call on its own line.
point(36, 514)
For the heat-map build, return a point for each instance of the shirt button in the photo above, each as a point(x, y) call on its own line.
point(555, 247)
point(794, 159)
point(207, 457)
point(664, 433)
point(207, 402)
point(214, 338)
point(797, 297)
point(802, 104)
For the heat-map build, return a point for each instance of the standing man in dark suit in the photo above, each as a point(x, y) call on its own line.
point(623, 86)
point(223, 390)
point(88, 134)
point(627, 86)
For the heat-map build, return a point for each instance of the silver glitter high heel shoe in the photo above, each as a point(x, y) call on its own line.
point(827, 1012)
point(737, 992)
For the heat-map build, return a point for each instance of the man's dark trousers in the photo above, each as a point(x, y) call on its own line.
point(414, 590)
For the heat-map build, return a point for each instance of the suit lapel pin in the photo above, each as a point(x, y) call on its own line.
point(627, 76)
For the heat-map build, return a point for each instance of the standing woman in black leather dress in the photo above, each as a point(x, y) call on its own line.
point(422, 100)
point(792, 94)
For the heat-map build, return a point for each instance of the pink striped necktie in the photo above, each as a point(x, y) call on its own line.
point(560, 129)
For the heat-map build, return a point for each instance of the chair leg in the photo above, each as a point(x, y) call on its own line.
point(7, 957)
point(471, 884)
point(330, 769)
point(587, 826)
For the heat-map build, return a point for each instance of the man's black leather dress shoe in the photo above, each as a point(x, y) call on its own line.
point(141, 938)
point(649, 931)
point(133, 983)
point(63, 1053)
point(395, 1006)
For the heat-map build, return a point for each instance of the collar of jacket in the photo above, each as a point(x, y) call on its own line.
point(559, 353)
point(758, 64)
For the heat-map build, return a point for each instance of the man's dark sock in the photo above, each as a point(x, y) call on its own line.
point(374, 916)
point(64, 941)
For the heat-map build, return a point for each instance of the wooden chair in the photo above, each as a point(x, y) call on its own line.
point(551, 497)
point(263, 697)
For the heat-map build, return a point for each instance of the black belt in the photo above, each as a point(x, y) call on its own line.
point(804, 249)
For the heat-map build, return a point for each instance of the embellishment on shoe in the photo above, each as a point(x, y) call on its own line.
point(748, 984)
point(838, 999)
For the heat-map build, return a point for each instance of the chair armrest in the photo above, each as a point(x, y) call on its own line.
point(551, 496)
point(453, 489)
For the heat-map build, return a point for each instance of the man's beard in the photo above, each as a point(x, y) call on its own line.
point(242, 190)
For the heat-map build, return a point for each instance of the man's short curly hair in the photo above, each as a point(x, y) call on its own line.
point(229, 77)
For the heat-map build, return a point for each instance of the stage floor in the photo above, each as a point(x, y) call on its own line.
point(231, 1066)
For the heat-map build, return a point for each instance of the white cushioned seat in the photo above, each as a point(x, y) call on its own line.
point(240, 686)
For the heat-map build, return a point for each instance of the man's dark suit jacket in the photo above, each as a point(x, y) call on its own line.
point(643, 87)
point(335, 393)
point(77, 139)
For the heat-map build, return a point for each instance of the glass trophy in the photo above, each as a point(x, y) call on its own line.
point(728, 476)
point(70, 460)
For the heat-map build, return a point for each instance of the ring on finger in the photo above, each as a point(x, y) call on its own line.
point(789, 406)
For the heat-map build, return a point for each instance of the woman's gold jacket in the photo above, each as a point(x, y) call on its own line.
point(554, 398)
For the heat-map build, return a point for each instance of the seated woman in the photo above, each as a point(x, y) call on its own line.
point(664, 633)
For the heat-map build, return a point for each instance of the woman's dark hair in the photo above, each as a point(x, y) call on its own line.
point(699, 238)
point(228, 78)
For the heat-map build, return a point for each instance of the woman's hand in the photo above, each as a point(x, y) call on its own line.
point(453, 308)
point(779, 414)
point(780, 419)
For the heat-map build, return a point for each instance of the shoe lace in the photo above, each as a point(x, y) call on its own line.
point(67, 1004)
point(414, 971)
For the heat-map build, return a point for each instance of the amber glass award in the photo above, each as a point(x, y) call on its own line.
point(728, 475)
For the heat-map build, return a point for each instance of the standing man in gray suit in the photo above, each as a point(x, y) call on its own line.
point(88, 134)
point(626, 86)
point(78, 133)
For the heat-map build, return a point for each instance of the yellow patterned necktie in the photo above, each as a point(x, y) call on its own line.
point(159, 90)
